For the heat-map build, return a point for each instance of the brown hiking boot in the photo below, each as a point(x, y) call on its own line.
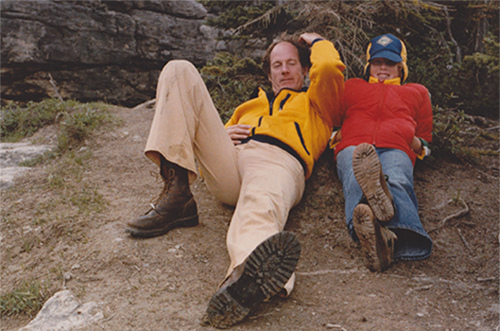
point(263, 275)
point(377, 242)
point(175, 207)
point(368, 173)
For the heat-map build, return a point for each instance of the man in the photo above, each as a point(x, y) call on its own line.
point(258, 163)
point(385, 126)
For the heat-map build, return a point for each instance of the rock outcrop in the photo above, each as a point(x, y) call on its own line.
point(93, 50)
point(63, 312)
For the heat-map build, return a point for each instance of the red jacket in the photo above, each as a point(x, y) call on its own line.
point(384, 115)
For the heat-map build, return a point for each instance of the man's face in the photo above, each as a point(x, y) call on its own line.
point(383, 69)
point(286, 70)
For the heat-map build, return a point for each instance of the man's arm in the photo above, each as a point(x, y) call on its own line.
point(327, 79)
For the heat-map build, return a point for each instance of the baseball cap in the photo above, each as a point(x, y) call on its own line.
point(386, 46)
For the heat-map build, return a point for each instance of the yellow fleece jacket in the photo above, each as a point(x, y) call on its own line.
point(300, 122)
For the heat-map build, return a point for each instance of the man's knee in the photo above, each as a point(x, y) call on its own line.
point(179, 67)
point(179, 71)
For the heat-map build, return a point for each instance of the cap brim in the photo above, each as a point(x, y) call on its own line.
point(385, 54)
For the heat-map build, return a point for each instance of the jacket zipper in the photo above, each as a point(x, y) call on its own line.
point(282, 103)
point(380, 108)
point(270, 99)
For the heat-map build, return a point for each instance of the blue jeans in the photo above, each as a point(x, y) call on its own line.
point(413, 241)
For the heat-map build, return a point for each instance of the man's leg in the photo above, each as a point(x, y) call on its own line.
point(272, 183)
point(260, 253)
point(186, 126)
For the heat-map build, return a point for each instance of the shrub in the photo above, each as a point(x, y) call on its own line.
point(231, 80)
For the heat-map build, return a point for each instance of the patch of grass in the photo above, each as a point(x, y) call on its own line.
point(77, 125)
point(87, 201)
point(76, 121)
point(58, 271)
point(27, 299)
point(18, 122)
point(28, 242)
point(56, 181)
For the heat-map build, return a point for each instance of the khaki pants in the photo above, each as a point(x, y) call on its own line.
point(263, 181)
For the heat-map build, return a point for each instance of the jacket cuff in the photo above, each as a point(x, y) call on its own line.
point(316, 40)
point(424, 143)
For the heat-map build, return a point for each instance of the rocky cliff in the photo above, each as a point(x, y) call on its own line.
point(93, 50)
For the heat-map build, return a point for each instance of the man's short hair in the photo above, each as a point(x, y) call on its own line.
point(302, 48)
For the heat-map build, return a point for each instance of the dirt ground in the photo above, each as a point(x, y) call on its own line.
point(165, 283)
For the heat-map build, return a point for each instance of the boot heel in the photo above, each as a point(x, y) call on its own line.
point(189, 221)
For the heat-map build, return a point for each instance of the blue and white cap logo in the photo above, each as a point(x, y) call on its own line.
point(384, 41)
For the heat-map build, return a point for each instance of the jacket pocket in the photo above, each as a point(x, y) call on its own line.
point(297, 127)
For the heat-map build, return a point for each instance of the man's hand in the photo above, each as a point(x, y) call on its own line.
point(238, 132)
point(309, 37)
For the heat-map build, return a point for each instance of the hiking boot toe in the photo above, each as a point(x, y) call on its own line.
point(266, 271)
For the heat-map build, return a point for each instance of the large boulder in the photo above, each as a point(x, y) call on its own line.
point(97, 50)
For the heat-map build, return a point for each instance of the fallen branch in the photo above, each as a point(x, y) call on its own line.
point(147, 105)
point(484, 173)
point(421, 288)
point(335, 326)
point(455, 215)
point(493, 128)
point(465, 241)
point(55, 87)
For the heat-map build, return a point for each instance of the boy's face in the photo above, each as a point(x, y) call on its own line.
point(383, 69)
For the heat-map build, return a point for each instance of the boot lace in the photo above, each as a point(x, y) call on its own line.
point(166, 186)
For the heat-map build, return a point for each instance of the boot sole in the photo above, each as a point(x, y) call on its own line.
point(266, 271)
point(370, 238)
point(368, 173)
point(186, 222)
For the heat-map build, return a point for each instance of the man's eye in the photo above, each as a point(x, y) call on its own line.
point(276, 65)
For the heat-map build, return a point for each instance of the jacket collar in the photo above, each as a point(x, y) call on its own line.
point(394, 81)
